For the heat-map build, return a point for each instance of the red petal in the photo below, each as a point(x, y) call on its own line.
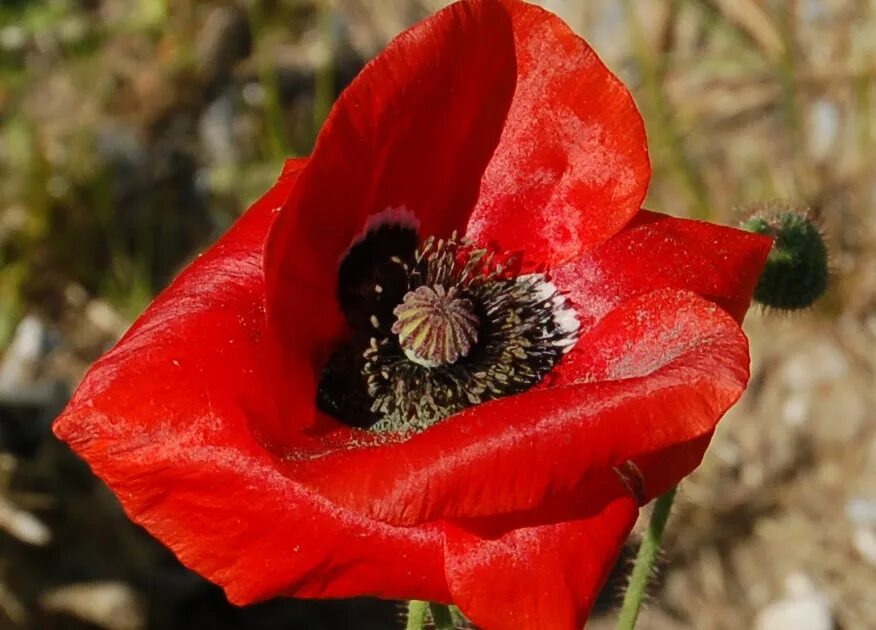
point(655, 250)
point(539, 576)
point(414, 130)
point(722, 264)
point(572, 165)
point(665, 367)
point(661, 471)
point(165, 420)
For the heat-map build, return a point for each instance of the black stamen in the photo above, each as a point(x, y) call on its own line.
point(372, 278)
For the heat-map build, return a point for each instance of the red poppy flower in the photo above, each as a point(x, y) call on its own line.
point(329, 403)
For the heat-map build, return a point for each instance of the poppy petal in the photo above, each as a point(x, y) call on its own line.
point(720, 263)
point(655, 250)
point(166, 419)
point(538, 576)
point(413, 132)
point(665, 367)
point(572, 165)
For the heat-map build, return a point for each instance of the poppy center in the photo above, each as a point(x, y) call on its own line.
point(436, 328)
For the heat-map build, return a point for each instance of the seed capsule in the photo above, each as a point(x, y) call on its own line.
point(435, 326)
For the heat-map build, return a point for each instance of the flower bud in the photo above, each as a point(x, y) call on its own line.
point(796, 271)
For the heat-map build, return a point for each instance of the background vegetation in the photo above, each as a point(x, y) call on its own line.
point(133, 133)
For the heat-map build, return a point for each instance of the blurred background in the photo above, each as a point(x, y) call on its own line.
point(133, 133)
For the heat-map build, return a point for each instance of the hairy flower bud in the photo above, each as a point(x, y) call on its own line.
point(796, 271)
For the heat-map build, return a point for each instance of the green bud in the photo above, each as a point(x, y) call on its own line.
point(796, 271)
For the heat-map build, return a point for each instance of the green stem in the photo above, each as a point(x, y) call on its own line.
point(441, 616)
point(635, 594)
point(274, 115)
point(416, 614)
point(665, 127)
point(324, 78)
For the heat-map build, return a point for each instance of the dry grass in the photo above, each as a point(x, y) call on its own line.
point(132, 133)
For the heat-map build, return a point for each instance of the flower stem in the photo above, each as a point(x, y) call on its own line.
point(416, 614)
point(635, 594)
point(441, 617)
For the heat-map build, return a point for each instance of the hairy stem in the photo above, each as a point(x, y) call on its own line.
point(635, 594)
point(416, 614)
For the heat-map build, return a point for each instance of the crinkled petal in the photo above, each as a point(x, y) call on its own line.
point(539, 575)
point(166, 419)
point(413, 134)
point(664, 368)
point(721, 264)
point(655, 250)
point(572, 166)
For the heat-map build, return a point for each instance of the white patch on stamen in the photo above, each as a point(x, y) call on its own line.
point(565, 317)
